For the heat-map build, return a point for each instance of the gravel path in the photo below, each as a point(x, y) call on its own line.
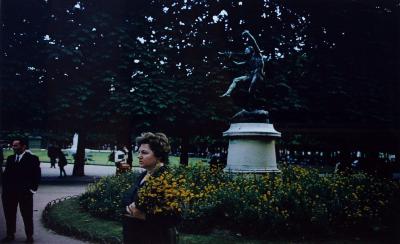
point(45, 194)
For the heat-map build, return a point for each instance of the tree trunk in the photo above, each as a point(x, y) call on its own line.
point(125, 137)
point(129, 145)
point(130, 158)
point(79, 165)
point(184, 157)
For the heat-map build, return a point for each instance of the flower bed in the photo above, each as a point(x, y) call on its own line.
point(297, 202)
point(104, 198)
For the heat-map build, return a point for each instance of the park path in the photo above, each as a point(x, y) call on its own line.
point(52, 188)
point(45, 194)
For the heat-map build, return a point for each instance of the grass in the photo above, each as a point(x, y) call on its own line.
point(100, 158)
point(68, 218)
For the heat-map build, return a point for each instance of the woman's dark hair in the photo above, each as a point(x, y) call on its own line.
point(158, 143)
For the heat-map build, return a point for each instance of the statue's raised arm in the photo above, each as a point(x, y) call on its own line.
point(246, 32)
point(257, 49)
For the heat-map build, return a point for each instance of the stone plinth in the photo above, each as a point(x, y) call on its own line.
point(251, 148)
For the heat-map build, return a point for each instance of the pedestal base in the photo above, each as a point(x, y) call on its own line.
point(251, 148)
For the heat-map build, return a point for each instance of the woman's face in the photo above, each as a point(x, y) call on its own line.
point(147, 159)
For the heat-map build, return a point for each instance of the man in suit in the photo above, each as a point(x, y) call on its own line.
point(20, 181)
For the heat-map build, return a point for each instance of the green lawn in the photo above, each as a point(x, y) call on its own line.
point(68, 218)
point(100, 158)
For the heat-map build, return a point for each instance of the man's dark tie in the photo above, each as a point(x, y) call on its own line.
point(17, 159)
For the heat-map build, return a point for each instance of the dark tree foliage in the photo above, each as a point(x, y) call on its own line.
point(352, 49)
point(350, 83)
point(22, 104)
point(186, 38)
point(122, 67)
point(80, 59)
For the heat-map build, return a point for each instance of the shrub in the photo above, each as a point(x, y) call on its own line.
point(104, 198)
point(297, 201)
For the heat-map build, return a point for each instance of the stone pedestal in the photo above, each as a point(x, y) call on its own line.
point(251, 148)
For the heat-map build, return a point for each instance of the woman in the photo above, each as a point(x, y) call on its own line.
point(140, 226)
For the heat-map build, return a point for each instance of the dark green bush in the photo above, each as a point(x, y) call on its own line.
point(297, 201)
point(104, 198)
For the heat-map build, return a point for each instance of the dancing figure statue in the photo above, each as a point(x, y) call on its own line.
point(255, 61)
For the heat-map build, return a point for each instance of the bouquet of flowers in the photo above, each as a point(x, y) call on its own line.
point(163, 195)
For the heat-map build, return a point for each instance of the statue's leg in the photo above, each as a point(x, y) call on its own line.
point(253, 82)
point(233, 85)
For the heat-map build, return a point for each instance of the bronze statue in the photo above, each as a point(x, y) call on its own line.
point(255, 62)
point(250, 102)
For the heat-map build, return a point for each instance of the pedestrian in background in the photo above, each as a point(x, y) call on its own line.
point(62, 161)
point(52, 154)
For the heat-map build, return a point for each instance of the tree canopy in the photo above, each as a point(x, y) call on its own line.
point(122, 67)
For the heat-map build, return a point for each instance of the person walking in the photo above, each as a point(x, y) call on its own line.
point(52, 154)
point(62, 161)
point(20, 180)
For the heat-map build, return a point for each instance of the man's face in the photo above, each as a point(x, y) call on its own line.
point(18, 147)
